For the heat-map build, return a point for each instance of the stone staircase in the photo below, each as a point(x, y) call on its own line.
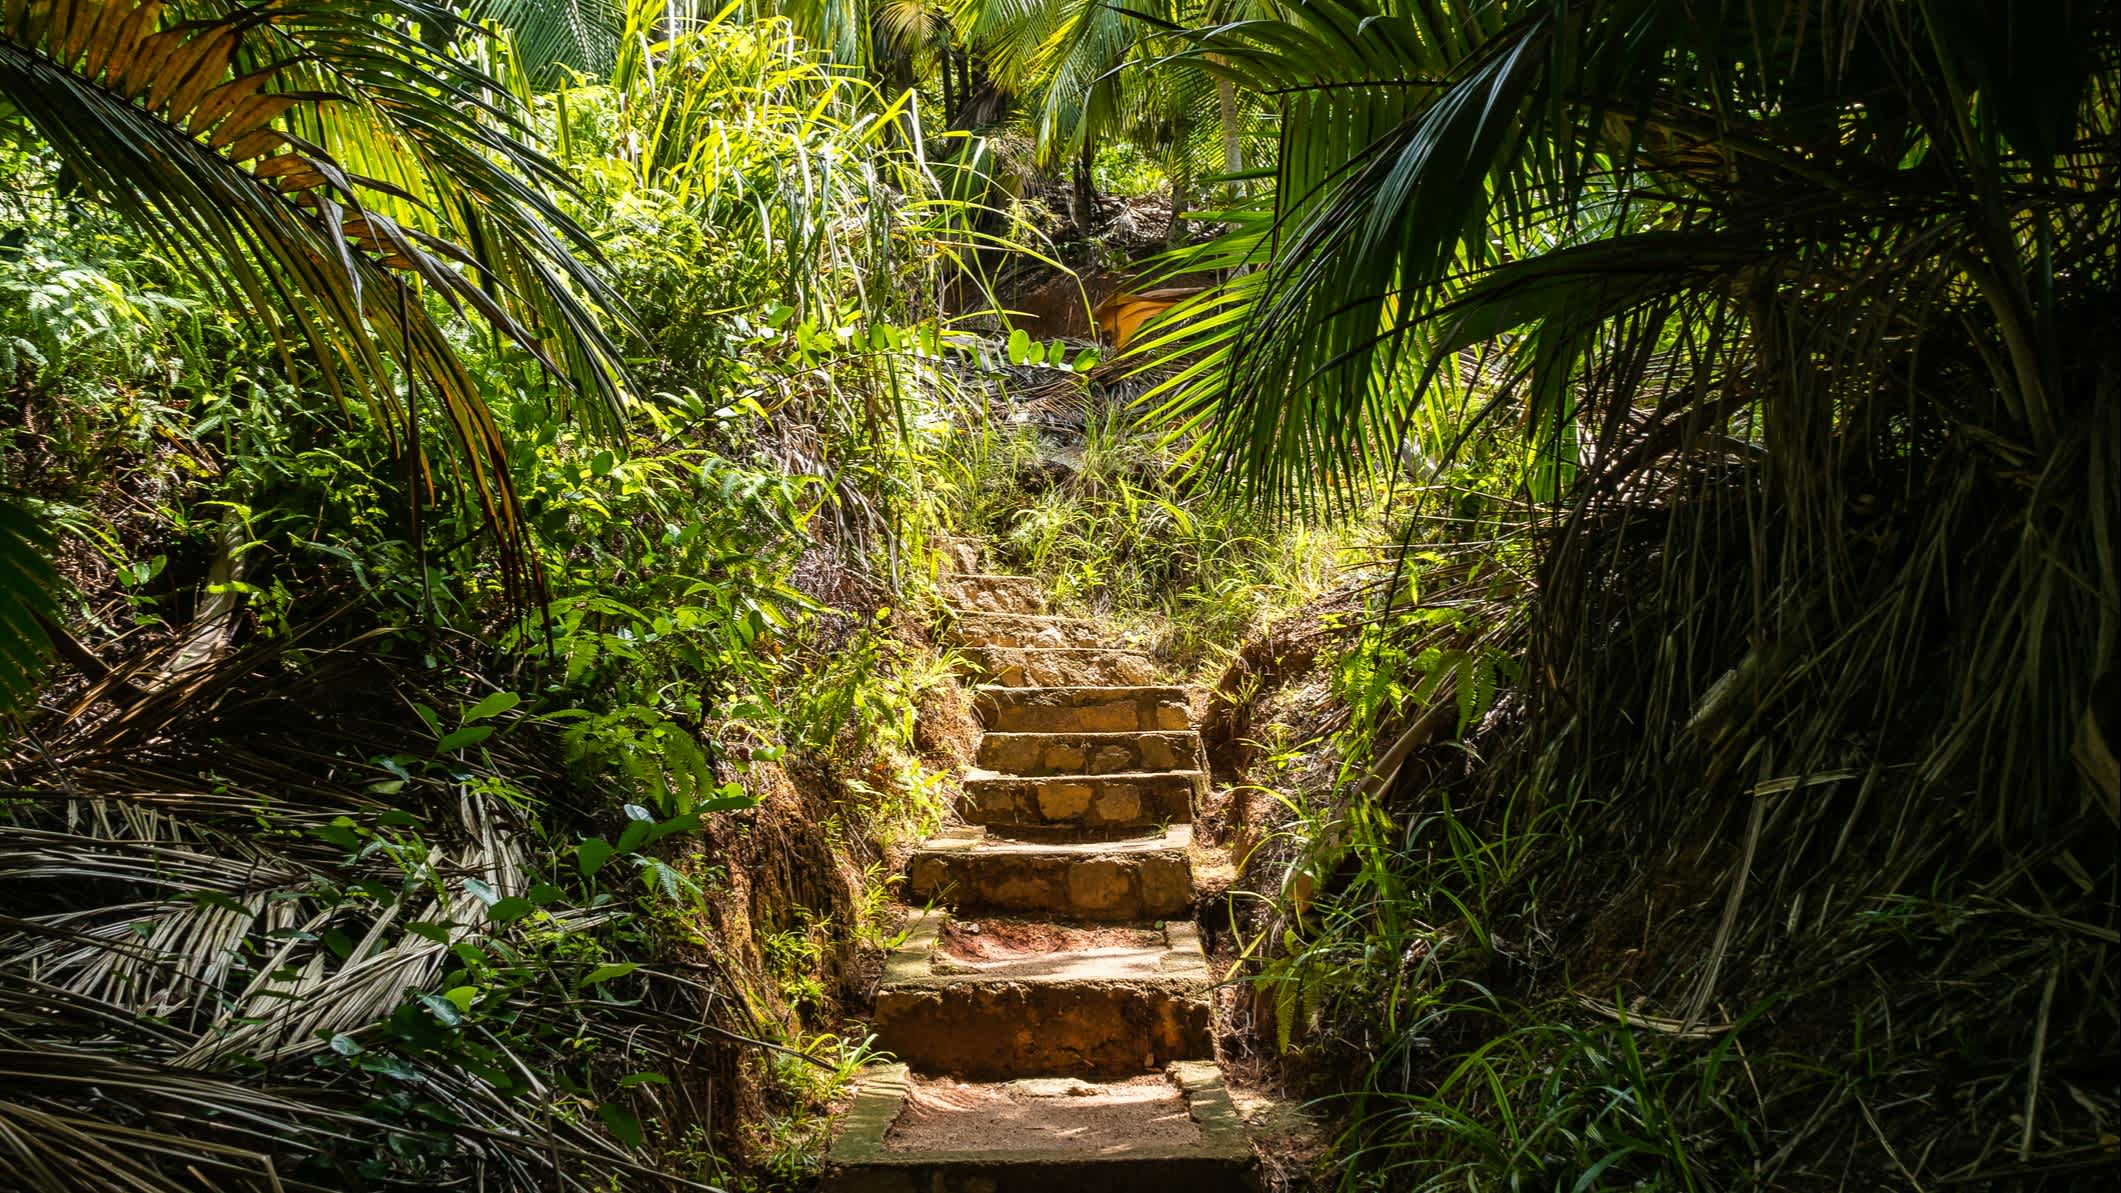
point(1050, 1011)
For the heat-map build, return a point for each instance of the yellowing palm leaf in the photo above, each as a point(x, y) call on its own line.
point(325, 166)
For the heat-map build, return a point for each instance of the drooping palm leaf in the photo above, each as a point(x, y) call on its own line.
point(555, 38)
point(333, 174)
point(204, 981)
point(1772, 304)
point(27, 585)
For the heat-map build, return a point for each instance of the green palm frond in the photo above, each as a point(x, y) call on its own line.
point(27, 582)
point(1078, 66)
point(842, 28)
point(1418, 153)
point(556, 38)
point(331, 173)
point(1767, 330)
point(1009, 35)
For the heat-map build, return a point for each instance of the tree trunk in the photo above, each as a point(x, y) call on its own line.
point(949, 91)
point(1181, 198)
point(1233, 146)
point(1083, 199)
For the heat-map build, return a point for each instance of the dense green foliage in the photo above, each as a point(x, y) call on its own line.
point(1641, 474)
point(1763, 352)
point(355, 846)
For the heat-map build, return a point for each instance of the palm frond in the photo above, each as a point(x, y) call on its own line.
point(207, 983)
point(555, 40)
point(1755, 314)
point(27, 582)
point(331, 172)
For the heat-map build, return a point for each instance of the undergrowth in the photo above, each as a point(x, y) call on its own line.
point(1098, 506)
point(329, 865)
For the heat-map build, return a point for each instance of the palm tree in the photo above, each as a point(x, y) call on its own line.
point(1088, 71)
point(334, 169)
point(1800, 315)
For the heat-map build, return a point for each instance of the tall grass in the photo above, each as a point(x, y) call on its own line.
point(1102, 511)
point(1816, 577)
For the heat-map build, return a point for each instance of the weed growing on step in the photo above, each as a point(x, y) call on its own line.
point(1104, 517)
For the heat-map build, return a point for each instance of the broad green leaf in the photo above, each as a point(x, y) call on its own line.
point(509, 910)
point(591, 855)
point(445, 1012)
point(468, 736)
point(624, 1126)
point(604, 973)
point(493, 705)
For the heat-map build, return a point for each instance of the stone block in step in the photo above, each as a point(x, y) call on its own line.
point(994, 594)
point(1027, 629)
point(1090, 753)
point(1126, 800)
point(1081, 710)
point(1171, 1132)
point(1062, 666)
point(994, 999)
point(958, 556)
point(974, 870)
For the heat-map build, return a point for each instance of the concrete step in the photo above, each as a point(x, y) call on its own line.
point(1027, 629)
point(1090, 753)
point(1063, 666)
point(1126, 800)
point(994, 594)
point(973, 870)
point(1025, 999)
point(1175, 1132)
point(1081, 710)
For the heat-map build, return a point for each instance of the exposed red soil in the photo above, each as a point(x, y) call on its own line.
point(1000, 940)
point(1090, 1117)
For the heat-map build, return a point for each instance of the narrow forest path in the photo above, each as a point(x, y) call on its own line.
point(1050, 1008)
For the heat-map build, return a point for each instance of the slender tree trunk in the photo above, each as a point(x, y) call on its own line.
point(979, 100)
point(1084, 198)
point(949, 91)
point(1233, 147)
point(1181, 189)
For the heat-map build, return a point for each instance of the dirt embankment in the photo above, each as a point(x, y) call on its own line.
point(792, 911)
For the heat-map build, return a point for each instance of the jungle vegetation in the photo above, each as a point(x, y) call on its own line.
point(467, 472)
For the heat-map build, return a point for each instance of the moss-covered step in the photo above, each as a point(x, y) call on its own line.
point(1081, 710)
point(972, 869)
point(1028, 999)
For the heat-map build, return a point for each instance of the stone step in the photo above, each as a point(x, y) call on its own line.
point(1090, 753)
point(1102, 803)
point(1026, 999)
point(1137, 878)
point(1062, 666)
point(958, 556)
point(974, 592)
point(1174, 1132)
point(1081, 710)
point(1027, 629)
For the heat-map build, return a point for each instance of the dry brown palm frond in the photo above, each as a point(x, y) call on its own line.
point(204, 979)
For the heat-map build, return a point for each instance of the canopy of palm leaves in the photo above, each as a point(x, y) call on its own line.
point(1799, 318)
point(337, 170)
